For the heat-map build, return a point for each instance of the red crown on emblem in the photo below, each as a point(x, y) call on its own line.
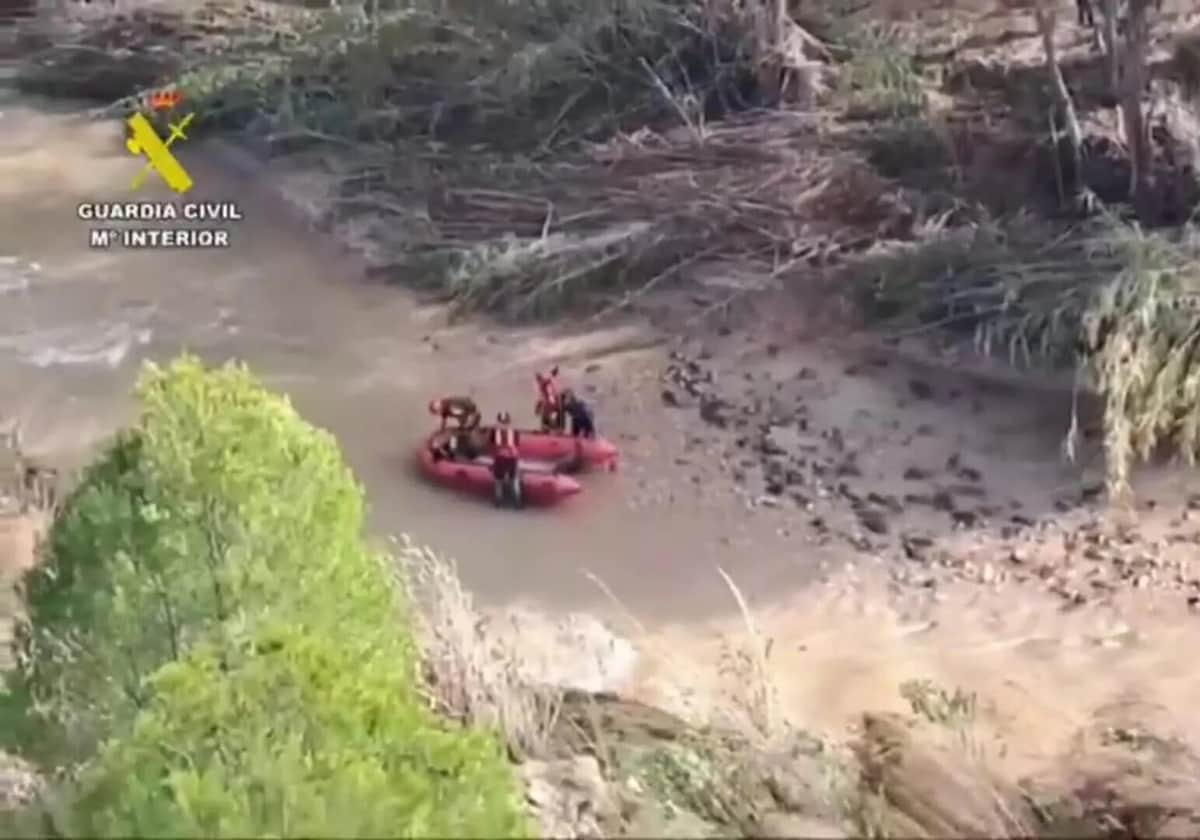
point(165, 100)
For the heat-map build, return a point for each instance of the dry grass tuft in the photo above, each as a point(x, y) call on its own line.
point(472, 676)
point(916, 782)
point(753, 707)
point(1142, 342)
point(879, 77)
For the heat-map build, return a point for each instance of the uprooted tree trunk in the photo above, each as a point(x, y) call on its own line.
point(1133, 84)
point(1108, 41)
point(789, 59)
point(1047, 22)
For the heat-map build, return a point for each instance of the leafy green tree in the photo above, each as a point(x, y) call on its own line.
point(296, 729)
point(219, 497)
point(215, 643)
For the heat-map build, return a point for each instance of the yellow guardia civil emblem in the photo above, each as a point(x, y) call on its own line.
point(144, 140)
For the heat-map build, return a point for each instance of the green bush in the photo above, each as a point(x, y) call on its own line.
point(286, 731)
point(219, 499)
point(213, 636)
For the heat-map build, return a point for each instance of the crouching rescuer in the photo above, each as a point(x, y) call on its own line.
point(506, 461)
point(462, 410)
point(583, 420)
point(456, 443)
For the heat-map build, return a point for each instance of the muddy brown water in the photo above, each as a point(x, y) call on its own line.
point(357, 358)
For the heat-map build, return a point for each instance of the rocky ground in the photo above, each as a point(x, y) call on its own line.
point(931, 469)
point(937, 491)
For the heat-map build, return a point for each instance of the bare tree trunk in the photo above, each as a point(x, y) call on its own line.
point(1133, 83)
point(1108, 41)
point(1047, 22)
point(770, 18)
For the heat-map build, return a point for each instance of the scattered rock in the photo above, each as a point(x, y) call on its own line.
point(873, 520)
point(790, 439)
point(889, 503)
point(964, 518)
point(570, 798)
point(715, 411)
point(970, 474)
point(849, 468)
point(770, 445)
point(916, 546)
point(920, 390)
point(943, 501)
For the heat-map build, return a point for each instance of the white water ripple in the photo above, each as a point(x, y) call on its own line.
point(104, 345)
point(14, 275)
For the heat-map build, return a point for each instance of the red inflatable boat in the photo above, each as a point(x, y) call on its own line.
point(540, 484)
point(590, 453)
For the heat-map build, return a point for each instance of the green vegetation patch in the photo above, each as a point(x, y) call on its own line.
point(215, 647)
point(293, 728)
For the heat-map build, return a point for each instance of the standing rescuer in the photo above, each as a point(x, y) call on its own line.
point(506, 443)
point(549, 405)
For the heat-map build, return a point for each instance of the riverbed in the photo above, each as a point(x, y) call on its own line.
point(357, 357)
